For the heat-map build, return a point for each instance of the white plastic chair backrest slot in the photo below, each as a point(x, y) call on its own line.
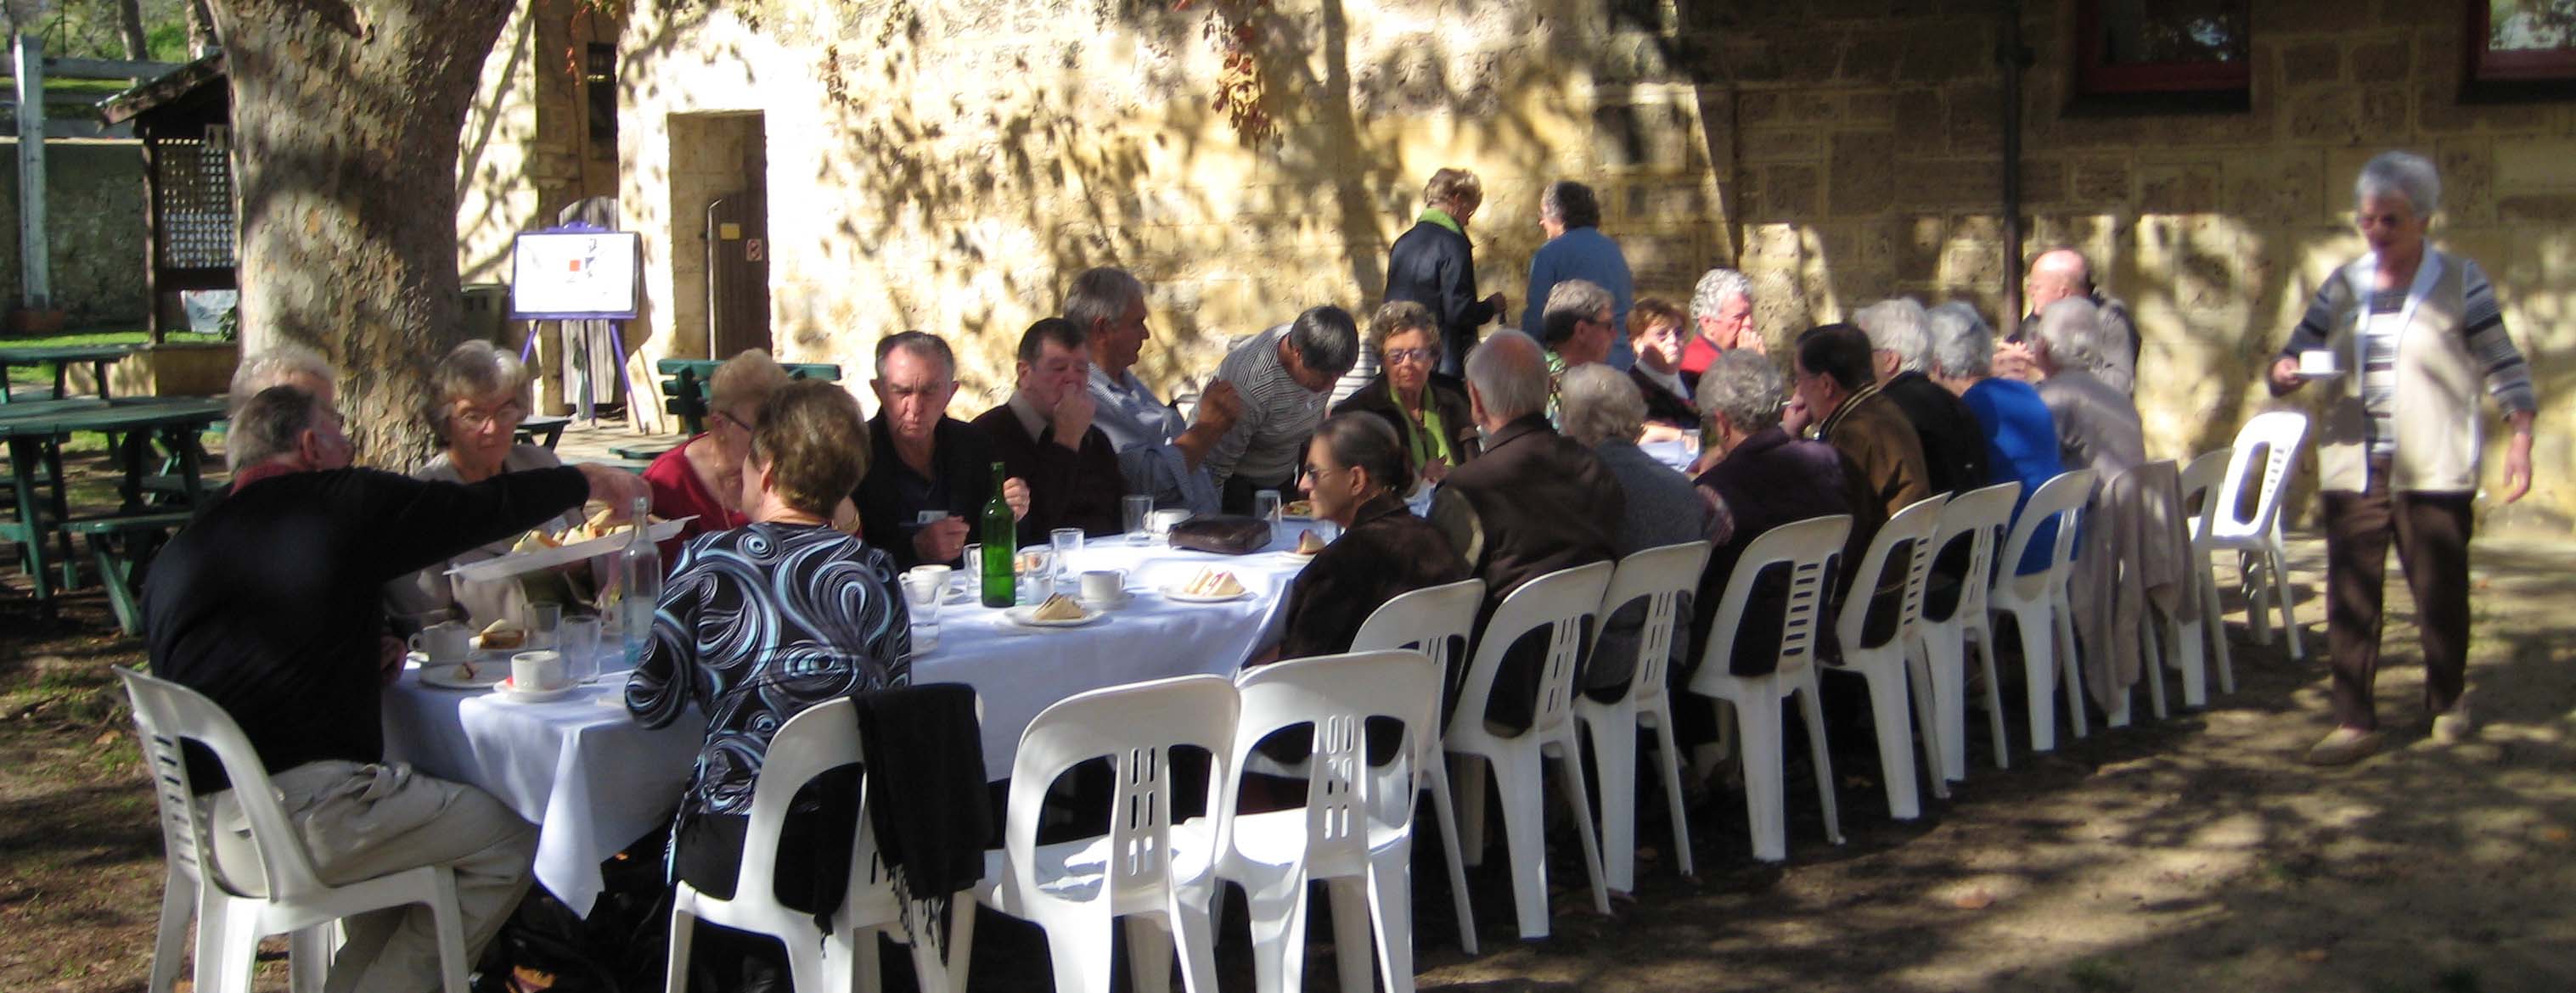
point(1437, 621)
point(167, 713)
point(1336, 696)
point(1659, 576)
point(2200, 487)
point(2274, 437)
point(1136, 726)
point(1807, 549)
point(1912, 528)
point(2063, 496)
point(1560, 601)
point(1981, 515)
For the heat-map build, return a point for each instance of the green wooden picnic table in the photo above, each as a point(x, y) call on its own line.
point(35, 432)
point(63, 358)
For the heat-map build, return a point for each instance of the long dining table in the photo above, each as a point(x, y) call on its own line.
point(593, 781)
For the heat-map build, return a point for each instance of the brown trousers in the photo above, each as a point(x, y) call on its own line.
point(2432, 537)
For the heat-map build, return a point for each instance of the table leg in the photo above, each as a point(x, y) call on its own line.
point(62, 379)
point(24, 460)
point(99, 369)
point(53, 454)
point(182, 440)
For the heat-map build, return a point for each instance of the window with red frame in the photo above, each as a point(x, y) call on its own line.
point(2148, 47)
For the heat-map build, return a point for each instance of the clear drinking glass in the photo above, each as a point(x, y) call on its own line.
point(545, 620)
point(1133, 512)
point(923, 592)
point(1067, 543)
point(579, 638)
point(1034, 575)
point(1265, 505)
point(972, 567)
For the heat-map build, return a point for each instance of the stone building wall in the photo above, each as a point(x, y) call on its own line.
point(93, 226)
point(525, 153)
point(948, 166)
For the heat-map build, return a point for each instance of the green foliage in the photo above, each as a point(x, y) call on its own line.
point(2098, 975)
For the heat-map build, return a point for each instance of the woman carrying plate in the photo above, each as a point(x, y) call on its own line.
point(1355, 471)
point(759, 623)
point(479, 394)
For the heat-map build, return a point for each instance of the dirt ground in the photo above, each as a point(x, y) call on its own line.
point(2192, 853)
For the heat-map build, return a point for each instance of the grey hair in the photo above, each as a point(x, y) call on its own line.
point(268, 424)
point(1713, 289)
point(1326, 339)
point(921, 345)
point(1600, 403)
point(1101, 294)
point(1509, 372)
point(1570, 202)
point(473, 369)
point(1900, 325)
point(2405, 174)
point(1745, 387)
point(2070, 335)
point(1569, 302)
point(1963, 347)
point(274, 367)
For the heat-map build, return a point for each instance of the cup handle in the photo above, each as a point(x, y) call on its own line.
point(413, 643)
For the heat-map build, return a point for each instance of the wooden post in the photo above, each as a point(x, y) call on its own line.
point(36, 292)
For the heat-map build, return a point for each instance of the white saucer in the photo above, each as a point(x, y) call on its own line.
point(503, 691)
point(1024, 617)
point(1174, 593)
point(443, 675)
point(1124, 598)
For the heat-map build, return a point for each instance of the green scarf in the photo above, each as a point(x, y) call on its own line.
point(1431, 425)
point(1441, 217)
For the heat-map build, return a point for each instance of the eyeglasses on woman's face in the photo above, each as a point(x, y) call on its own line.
point(1412, 356)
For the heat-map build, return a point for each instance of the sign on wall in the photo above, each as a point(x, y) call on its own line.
point(575, 275)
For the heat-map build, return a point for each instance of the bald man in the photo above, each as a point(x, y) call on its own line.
point(2059, 274)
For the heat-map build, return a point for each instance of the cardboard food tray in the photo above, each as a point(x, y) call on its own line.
point(547, 558)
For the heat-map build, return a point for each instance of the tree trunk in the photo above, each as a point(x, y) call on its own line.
point(201, 29)
point(345, 123)
point(129, 28)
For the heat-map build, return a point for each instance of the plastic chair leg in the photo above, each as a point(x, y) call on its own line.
point(1578, 799)
point(1390, 896)
point(2071, 669)
point(1518, 782)
point(1817, 753)
point(308, 959)
point(1994, 703)
point(675, 960)
point(2039, 677)
point(961, 941)
point(2276, 558)
point(225, 953)
point(1193, 930)
point(1757, 724)
point(1944, 659)
point(1469, 778)
point(1445, 810)
point(1352, 925)
point(449, 924)
point(1670, 758)
point(170, 940)
point(2258, 595)
point(2191, 658)
point(2209, 614)
point(1614, 757)
point(1895, 740)
point(1918, 678)
point(1275, 898)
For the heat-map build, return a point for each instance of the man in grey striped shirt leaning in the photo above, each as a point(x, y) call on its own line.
point(1285, 376)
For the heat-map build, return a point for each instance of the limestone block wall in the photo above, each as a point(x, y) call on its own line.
point(947, 167)
point(525, 154)
point(93, 229)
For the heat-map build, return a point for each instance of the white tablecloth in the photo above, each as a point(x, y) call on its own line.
point(579, 768)
point(592, 781)
point(1671, 453)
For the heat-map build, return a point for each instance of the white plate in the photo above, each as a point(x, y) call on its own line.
point(443, 675)
point(502, 691)
point(547, 558)
point(1024, 617)
point(1124, 598)
point(1175, 593)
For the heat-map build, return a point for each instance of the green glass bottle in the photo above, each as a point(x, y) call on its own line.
point(1001, 546)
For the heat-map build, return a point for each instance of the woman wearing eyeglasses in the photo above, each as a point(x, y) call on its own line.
point(478, 396)
point(1430, 417)
point(703, 477)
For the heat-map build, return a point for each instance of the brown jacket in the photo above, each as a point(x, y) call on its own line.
point(1873, 432)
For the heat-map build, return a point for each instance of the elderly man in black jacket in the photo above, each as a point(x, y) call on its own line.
point(1435, 266)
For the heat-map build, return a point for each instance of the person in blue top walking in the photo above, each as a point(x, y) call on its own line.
point(1576, 249)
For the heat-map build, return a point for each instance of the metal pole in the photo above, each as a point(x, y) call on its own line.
point(35, 267)
point(2010, 54)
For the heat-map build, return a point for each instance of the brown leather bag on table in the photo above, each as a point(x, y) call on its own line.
point(1224, 534)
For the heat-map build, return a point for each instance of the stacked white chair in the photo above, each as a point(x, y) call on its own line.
point(1890, 665)
point(822, 738)
point(2039, 605)
point(1355, 831)
point(1432, 621)
point(2267, 447)
point(1978, 517)
point(288, 896)
point(1807, 549)
point(1659, 577)
point(2200, 482)
point(1558, 604)
point(1156, 873)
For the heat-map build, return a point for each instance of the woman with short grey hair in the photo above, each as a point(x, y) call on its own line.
point(1600, 405)
point(478, 396)
point(2021, 435)
point(2410, 334)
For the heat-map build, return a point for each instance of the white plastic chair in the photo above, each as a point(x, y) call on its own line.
point(1158, 874)
point(2200, 482)
point(289, 896)
point(1978, 517)
point(822, 738)
point(1558, 602)
point(1889, 665)
point(1430, 621)
point(2039, 605)
point(2273, 437)
point(1807, 549)
point(1660, 577)
point(1355, 831)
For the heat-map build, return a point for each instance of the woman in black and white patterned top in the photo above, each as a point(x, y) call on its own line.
point(761, 622)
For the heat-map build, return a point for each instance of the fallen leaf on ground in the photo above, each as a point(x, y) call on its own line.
point(2556, 834)
point(2312, 956)
point(1976, 899)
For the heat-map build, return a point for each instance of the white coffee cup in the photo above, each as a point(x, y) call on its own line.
point(931, 574)
point(446, 641)
point(1162, 522)
point(1104, 585)
point(2317, 362)
point(537, 672)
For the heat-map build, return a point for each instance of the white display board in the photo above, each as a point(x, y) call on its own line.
point(575, 275)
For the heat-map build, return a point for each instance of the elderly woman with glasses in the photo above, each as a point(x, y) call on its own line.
point(478, 396)
point(1430, 416)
